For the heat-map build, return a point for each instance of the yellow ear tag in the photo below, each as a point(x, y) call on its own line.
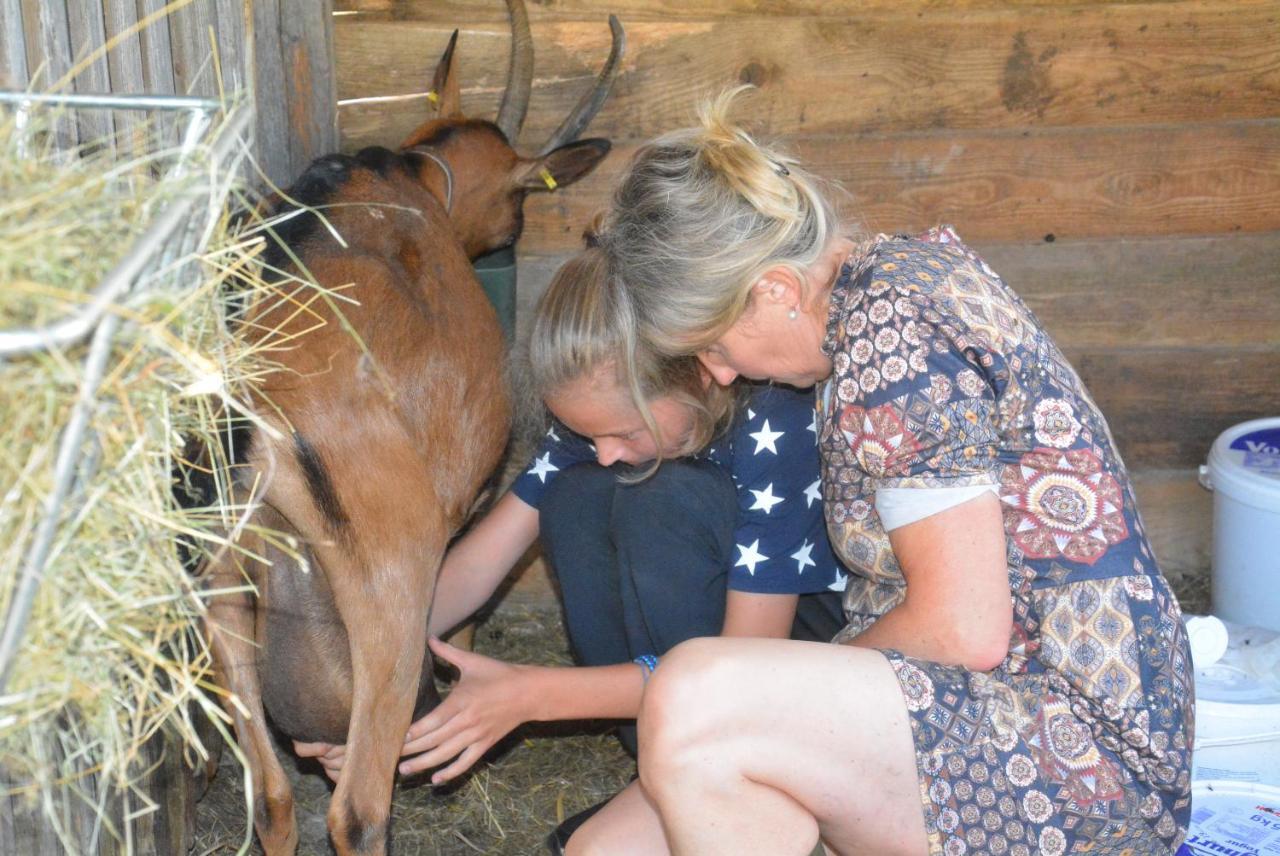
point(547, 179)
point(433, 97)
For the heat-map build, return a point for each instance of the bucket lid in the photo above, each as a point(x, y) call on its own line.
point(1244, 463)
point(1229, 681)
point(1232, 817)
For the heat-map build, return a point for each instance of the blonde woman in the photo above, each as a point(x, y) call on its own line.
point(1014, 677)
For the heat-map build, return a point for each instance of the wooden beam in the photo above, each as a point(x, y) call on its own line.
point(883, 71)
point(1166, 406)
point(1221, 291)
point(1006, 186)
point(88, 31)
point(1178, 515)
point(157, 54)
point(13, 46)
point(1196, 292)
point(55, 55)
point(189, 36)
point(306, 36)
point(665, 10)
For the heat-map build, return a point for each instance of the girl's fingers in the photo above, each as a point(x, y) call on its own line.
point(434, 720)
point(460, 766)
point(436, 756)
point(311, 750)
point(429, 740)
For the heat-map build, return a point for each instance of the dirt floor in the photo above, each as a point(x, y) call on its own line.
point(509, 802)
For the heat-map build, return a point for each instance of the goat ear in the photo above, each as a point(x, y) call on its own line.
point(445, 94)
point(565, 165)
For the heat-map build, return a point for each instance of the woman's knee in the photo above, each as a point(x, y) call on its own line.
point(682, 704)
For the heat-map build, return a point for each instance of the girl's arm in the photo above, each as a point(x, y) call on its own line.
point(492, 697)
point(766, 615)
point(479, 561)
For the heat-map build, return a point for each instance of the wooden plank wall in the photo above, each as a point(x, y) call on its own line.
point(1117, 162)
point(196, 47)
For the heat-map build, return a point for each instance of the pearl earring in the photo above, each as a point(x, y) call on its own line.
point(792, 314)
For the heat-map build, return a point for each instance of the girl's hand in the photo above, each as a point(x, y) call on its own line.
point(490, 699)
point(330, 755)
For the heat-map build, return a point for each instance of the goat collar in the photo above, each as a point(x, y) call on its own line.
point(444, 167)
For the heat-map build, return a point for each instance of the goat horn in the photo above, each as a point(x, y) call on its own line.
point(515, 98)
point(585, 110)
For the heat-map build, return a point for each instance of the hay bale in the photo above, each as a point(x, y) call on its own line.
point(110, 671)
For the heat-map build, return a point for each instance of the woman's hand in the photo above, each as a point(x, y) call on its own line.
point(330, 755)
point(490, 699)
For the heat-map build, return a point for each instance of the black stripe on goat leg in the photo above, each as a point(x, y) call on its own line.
point(320, 486)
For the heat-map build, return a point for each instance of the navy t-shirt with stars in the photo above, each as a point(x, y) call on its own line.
point(771, 453)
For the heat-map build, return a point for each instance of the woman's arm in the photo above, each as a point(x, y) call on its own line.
point(958, 608)
point(479, 561)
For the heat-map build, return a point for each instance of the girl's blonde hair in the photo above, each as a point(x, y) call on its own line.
point(585, 323)
point(701, 213)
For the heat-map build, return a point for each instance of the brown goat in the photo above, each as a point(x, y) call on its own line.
point(390, 413)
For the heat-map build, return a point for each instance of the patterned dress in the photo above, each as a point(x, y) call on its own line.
point(1080, 740)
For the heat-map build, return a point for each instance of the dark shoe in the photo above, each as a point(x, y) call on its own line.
point(559, 837)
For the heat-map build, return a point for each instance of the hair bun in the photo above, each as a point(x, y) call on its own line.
point(757, 175)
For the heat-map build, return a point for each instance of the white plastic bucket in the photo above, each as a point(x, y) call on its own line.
point(1244, 474)
point(1233, 819)
point(1237, 734)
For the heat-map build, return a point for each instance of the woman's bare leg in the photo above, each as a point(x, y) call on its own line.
point(760, 745)
point(628, 826)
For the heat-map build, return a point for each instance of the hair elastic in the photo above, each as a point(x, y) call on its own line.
point(648, 664)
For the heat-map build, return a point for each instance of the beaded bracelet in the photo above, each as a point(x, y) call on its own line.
point(648, 664)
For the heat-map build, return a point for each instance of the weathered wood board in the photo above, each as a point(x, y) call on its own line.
point(1002, 186)
point(886, 70)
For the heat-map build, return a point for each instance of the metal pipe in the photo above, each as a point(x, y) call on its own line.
point(113, 102)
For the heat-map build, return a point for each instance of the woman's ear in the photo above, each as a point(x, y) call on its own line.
point(780, 285)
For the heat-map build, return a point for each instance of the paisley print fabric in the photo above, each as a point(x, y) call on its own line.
point(1080, 740)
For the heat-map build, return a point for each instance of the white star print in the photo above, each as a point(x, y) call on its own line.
point(551, 432)
point(765, 500)
point(842, 580)
point(813, 426)
point(812, 494)
point(803, 557)
point(766, 439)
point(751, 414)
point(751, 556)
point(542, 466)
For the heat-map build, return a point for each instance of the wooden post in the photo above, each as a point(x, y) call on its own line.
point(13, 46)
point(295, 85)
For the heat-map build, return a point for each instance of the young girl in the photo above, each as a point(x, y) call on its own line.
point(665, 515)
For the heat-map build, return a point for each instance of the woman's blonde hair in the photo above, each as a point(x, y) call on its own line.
point(701, 213)
point(585, 323)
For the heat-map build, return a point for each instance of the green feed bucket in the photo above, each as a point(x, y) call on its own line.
point(497, 274)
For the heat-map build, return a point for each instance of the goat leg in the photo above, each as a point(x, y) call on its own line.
point(383, 607)
point(230, 629)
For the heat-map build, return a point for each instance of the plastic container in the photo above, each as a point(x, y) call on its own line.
point(1233, 818)
point(497, 274)
point(1244, 474)
point(1238, 714)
